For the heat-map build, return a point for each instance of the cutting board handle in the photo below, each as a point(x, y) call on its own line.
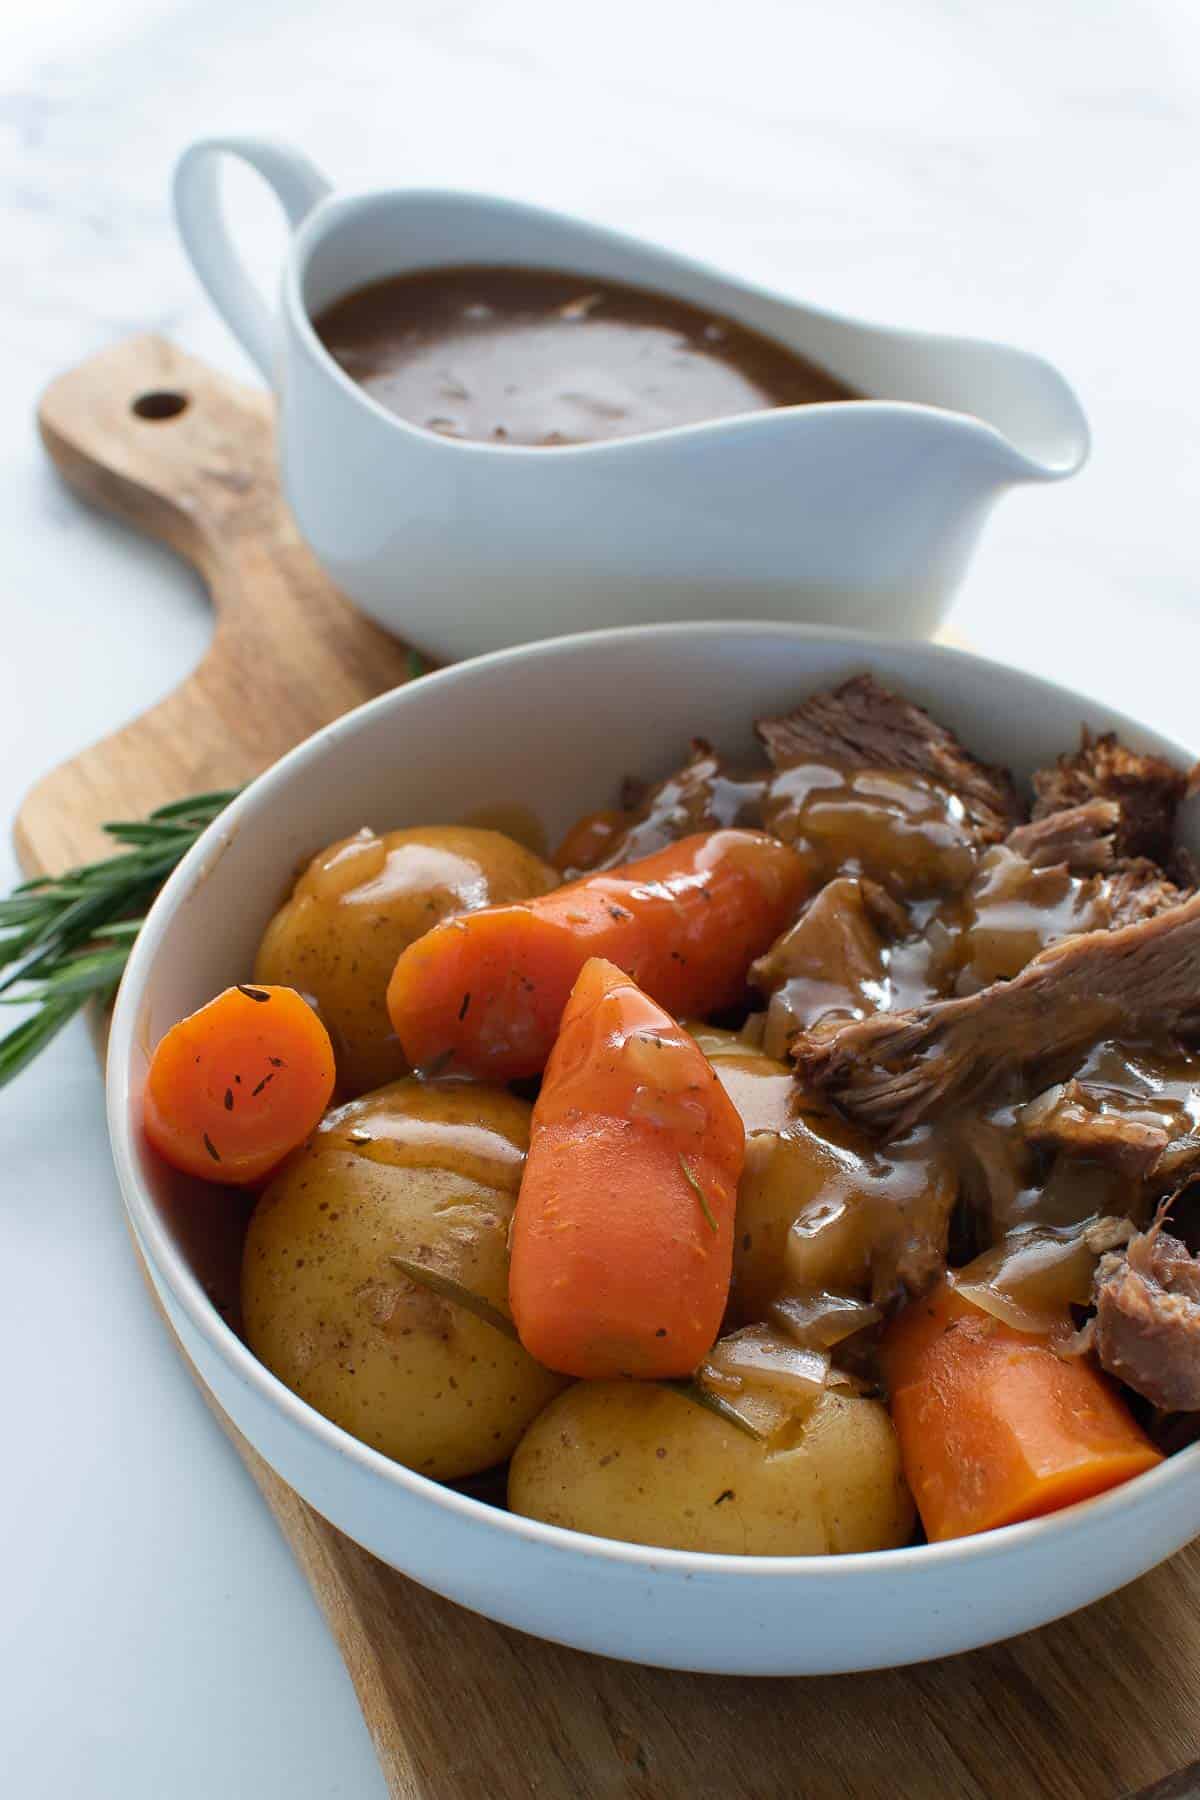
point(146, 432)
point(187, 456)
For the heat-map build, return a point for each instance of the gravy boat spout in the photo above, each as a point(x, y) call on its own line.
point(861, 512)
point(1022, 399)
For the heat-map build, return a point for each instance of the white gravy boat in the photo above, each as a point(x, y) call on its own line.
point(860, 513)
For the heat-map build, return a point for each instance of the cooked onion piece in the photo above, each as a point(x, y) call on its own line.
point(762, 1357)
point(1030, 1279)
point(818, 1320)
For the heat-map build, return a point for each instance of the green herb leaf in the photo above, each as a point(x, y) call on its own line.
point(197, 806)
point(714, 1403)
point(701, 1196)
point(65, 939)
point(96, 972)
point(21, 1046)
point(446, 1288)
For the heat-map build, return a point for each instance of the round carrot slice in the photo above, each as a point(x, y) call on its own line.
point(234, 1087)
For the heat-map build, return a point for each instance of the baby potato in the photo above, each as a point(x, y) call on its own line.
point(819, 1205)
point(763, 1090)
point(798, 1163)
point(364, 900)
point(817, 1166)
point(427, 1172)
point(635, 1461)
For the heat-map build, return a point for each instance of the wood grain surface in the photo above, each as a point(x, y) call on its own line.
point(1103, 1705)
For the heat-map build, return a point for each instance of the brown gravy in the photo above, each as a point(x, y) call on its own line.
point(540, 357)
point(909, 909)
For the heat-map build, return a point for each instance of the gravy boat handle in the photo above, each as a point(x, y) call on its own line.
point(298, 186)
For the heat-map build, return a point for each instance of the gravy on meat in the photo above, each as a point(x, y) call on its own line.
point(993, 1021)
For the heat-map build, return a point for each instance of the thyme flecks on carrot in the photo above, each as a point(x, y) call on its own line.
point(183, 1112)
point(705, 1208)
point(603, 1173)
point(65, 939)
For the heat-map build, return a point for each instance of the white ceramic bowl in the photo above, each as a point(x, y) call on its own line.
point(555, 726)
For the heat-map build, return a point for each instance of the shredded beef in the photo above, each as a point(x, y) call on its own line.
point(1147, 1326)
point(1147, 789)
point(1181, 865)
point(890, 1071)
point(702, 796)
point(831, 962)
point(1081, 837)
point(1084, 839)
point(1071, 1121)
point(863, 724)
point(1136, 888)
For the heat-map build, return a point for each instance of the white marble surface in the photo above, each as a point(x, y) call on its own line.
point(1026, 171)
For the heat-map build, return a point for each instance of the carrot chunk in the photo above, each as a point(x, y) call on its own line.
point(588, 839)
point(234, 1087)
point(483, 993)
point(622, 1241)
point(994, 1426)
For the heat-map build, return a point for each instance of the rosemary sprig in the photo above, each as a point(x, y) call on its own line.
point(447, 1288)
point(693, 1390)
point(702, 1197)
point(65, 939)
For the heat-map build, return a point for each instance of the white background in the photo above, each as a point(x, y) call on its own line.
point(1027, 171)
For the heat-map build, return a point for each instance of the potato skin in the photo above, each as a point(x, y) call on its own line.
point(634, 1461)
point(799, 1161)
point(818, 1167)
point(362, 901)
point(324, 1306)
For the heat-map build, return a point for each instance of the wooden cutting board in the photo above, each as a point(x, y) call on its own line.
point(1103, 1705)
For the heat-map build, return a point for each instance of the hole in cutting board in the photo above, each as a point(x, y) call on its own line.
point(160, 403)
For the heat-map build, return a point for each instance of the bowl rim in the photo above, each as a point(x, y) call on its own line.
point(168, 1265)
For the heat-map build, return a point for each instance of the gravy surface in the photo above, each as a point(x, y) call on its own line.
point(538, 357)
